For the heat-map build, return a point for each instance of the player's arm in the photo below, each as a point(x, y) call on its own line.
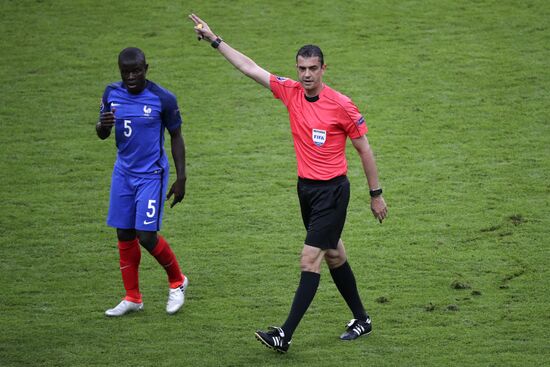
point(105, 124)
point(178, 154)
point(378, 205)
point(106, 117)
point(242, 62)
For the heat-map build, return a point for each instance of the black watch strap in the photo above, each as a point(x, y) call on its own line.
point(216, 42)
point(375, 193)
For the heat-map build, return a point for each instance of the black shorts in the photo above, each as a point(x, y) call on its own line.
point(324, 205)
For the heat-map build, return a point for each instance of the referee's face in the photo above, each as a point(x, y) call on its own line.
point(133, 74)
point(310, 74)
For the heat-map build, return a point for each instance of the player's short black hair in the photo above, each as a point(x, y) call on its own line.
point(311, 51)
point(131, 53)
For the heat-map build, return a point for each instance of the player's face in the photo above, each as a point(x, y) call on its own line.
point(310, 74)
point(133, 74)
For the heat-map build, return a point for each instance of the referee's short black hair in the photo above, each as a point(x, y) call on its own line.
point(311, 51)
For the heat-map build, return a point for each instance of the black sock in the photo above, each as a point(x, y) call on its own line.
point(309, 282)
point(345, 282)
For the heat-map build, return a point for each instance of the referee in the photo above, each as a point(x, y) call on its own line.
point(321, 119)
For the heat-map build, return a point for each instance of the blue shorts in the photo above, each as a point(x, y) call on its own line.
point(137, 202)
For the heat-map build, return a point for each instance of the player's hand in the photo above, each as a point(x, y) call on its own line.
point(178, 190)
point(202, 29)
point(107, 119)
point(379, 208)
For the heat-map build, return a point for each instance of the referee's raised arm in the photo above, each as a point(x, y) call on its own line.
point(242, 62)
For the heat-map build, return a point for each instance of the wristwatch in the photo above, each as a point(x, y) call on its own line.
point(216, 42)
point(376, 192)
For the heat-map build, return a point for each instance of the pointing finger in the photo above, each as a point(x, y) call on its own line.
point(195, 19)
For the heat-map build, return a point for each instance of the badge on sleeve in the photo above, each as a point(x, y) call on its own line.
point(319, 136)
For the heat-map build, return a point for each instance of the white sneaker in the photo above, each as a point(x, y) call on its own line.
point(176, 297)
point(123, 308)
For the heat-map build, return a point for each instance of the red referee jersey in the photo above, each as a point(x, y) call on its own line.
point(319, 128)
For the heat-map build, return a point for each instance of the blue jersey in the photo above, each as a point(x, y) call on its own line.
point(139, 127)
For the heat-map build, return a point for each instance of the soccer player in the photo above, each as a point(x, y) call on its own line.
point(140, 111)
point(320, 119)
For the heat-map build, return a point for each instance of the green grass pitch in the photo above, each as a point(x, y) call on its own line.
point(456, 97)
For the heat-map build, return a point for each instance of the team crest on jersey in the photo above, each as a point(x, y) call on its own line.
point(319, 136)
point(147, 110)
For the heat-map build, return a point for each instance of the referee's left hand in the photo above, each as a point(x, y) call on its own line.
point(379, 208)
point(178, 190)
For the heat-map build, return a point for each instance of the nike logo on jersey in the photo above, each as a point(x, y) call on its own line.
point(115, 104)
point(148, 222)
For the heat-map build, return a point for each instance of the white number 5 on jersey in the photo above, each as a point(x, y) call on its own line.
point(127, 128)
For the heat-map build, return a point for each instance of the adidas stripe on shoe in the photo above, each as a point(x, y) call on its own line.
point(356, 328)
point(274, 338)
point(176, 297)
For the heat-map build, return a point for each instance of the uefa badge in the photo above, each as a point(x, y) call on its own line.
point(319, 136)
